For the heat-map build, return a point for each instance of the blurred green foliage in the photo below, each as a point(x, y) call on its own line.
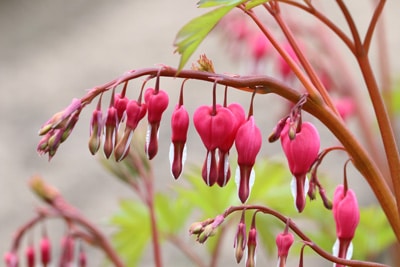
point(175, 208)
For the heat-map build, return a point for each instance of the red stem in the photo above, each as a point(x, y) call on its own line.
point(302, 235)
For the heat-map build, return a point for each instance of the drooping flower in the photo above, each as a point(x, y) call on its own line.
point(120, 103)
point(11, 259)
point(284, 241)
point(179, 127)
point(110, 128)
point(347, 216)
point(30, 255)
point(252, 245)
point(240, 239)
point(157, 103)
point(248, 143)
point(96, 129)
point(135, 111)
point(301, 152)
point(45, 250)
point(224, 172)
point(214, 125)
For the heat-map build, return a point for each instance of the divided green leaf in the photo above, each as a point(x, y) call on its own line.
point(194, 32)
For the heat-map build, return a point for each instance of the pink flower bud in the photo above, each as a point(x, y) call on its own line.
point(248, 143)
point(301, 152)
point(251, 247)
point(111, 125)
point(284, 241)
point(347, 216)
point(260, 46)
point(11, 259)
point(283, 66)
point(30, 256)
point(157, 103)
point(179, 128)
point(134, 113)
point(67, 250)
point(215, 126)
point(240, 239)
point(96, 127)
point(45, 251)
point(120, 103)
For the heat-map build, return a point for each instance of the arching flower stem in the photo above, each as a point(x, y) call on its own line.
point(302, 235)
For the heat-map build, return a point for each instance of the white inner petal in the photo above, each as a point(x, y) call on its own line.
point(208, 167)
point(349, 252)
point(293, 188)
point(171, 156)
point(148, 134)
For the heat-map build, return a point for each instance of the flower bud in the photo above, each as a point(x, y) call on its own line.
point(45, 250)
point(284, 241)
point(240, 239)
point(11, 259)
point(30, 256)
point(251, 247)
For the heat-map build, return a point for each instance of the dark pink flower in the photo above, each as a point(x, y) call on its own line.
point(248, 143)
point(120, 103)
point(347, 216)
point(30, 256)
point(135, 111)
point(224, 172)
point(157, 103)
point(45, 250)
point(179, 128)
point(301, 152)
point(215, 126)
point(284, 241)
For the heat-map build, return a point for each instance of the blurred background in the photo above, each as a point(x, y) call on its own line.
point(53, 51)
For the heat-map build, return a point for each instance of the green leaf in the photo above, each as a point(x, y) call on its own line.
point(133, 232)
point(194, 32)
point(253, 3)
point(172, 213)
point(212, 3)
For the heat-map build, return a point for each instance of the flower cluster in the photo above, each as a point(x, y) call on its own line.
point(71, 253)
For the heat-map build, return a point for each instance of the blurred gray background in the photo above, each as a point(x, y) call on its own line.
point(52, 51)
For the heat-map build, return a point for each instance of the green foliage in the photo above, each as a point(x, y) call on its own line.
point(253, 3)
point(395, 97)
point(271, 188)
point(133, 233)
point(194, 32)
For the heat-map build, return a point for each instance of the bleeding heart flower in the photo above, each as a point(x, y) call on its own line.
point(248, 143)
point(284, 241)
point(120, 103)
point(157, 103)
point(224, 172)
point(214, 125)
point(179, 127)
point(347, 216)
point(135, 111)
point(301, 152)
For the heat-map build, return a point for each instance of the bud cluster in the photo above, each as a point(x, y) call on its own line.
point(44, 250)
